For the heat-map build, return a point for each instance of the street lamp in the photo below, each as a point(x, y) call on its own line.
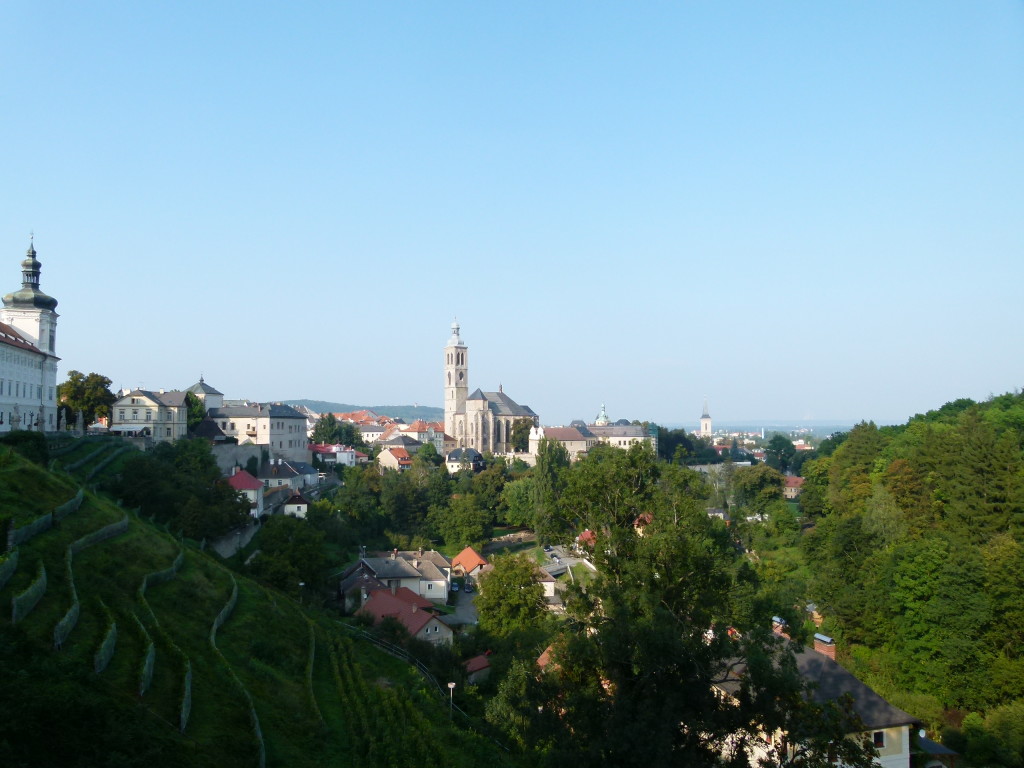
point(301, 585)
point(451, 699)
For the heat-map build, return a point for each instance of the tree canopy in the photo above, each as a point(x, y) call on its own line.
point(87, 393)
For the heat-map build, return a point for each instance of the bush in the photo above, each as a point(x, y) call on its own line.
point(31, 445)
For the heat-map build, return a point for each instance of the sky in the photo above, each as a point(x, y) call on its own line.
point(800, 211)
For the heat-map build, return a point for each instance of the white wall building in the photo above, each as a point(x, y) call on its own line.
point(28, 360)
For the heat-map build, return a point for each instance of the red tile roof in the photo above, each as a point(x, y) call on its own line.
point(794, 482)
point(383, 604)
point(243, 481)
point(476, 664)
point(469, 559)
point(588, 538)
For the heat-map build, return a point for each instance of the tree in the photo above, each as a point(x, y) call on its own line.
point(196, 411)
point(511, 599)
point(645, 672)
point(90, 394)
point(757, 487)
point(326, 430)
point(462, 523)
point(521, 434)
point(779, 452)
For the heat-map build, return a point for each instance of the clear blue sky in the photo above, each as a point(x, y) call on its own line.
point(800, 210)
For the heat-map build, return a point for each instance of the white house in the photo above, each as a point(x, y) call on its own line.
point(279, 427)
point(250, 487)
point(161, 415)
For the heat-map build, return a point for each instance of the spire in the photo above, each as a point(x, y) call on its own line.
point(455, 340)
point(30, 297)
point(705, 415)
point(602, 418)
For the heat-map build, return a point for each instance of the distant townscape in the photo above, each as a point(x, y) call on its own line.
point(272, 583)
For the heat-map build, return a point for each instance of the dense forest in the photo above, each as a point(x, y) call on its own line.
point(913, 553)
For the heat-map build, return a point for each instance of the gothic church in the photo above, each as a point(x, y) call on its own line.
point(481, 420)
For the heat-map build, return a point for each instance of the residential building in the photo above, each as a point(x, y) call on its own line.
point(28, 359)
point(397, 459)
point(464, 458)
point(481, 420)
point(279, 427)
point(208, 396)
point(161, 416)
point(296, 505)
point(421, 623)
point(250, 487)
point(426, 573)
point(469, 562)
point(792, 488)
point(334, 455)
point(575, 442)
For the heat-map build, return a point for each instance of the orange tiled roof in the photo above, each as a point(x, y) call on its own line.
point(469, 559)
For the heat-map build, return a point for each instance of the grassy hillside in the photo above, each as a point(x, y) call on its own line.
point(273, 684)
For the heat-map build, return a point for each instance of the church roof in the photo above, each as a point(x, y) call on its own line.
point(202, 388)
point(501, 404)
point(477, 395)
point(29, 296)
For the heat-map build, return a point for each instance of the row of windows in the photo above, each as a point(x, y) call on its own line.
point(17, 357)
point(23, 389)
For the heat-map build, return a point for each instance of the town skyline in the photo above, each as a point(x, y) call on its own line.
point(803, 214)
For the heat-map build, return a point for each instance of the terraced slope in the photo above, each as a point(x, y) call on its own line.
point(137, 649)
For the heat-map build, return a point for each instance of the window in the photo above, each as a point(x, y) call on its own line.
point(430, 586)
point(168, 431)
point(878, 737)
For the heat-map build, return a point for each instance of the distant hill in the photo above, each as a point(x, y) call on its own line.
point(408, 413)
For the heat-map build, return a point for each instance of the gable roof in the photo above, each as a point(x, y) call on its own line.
point(501, 404)
point(382, 604)
point(243, 481)
point(13, 337)
point(831, 680)
point(202, 388)
point(564, 434)
point(476, 664)
point(469, 559)
point(794, 482)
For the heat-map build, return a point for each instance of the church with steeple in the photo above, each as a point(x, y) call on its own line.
point(479, 420)
point(28, 354)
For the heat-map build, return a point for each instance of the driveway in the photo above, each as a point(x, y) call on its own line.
point(465, 611)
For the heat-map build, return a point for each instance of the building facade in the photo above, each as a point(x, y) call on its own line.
point(28, 359)
point(481, 420)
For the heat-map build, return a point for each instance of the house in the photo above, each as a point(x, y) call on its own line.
point(427, 574)
point(307, 473)
point(575, 442)
point(398, 440)
point(279, 427)
point(464, 458)
point(335, 455)
point(477, 668)
point(28, 360)
point(792, 488)
point(161, 415)
point(277, 473)
point(371, 433)
point(889, 728)
point(469, 562)
point(587, 540)
point(296, 505)
point(419, 622)
point(397, 459)
point(207, 395)
point(250, 487)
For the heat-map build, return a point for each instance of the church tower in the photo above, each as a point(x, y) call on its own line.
point(705, 421)
point(456, 380)
point(30, 310)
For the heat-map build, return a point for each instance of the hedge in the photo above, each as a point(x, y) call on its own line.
point(16, 536)
point(106, 649)
point(22, 605)
point(7, 567)
point(68, 507)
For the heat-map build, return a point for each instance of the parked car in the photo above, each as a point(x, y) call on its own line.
point(547, 547)
point(455, 586)
point(468, 588)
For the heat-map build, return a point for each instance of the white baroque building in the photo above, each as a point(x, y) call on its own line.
point(28, 360)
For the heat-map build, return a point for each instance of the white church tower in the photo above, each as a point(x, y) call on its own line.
point(28, 365)
point(705, 421)
point(456, 379)
point(30, 310)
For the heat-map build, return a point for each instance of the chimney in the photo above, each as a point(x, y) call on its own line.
point(421, 551)
point(394, 587)
point(394, 554)
point(416, 562)
point(415, 608)
point(825, 645)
